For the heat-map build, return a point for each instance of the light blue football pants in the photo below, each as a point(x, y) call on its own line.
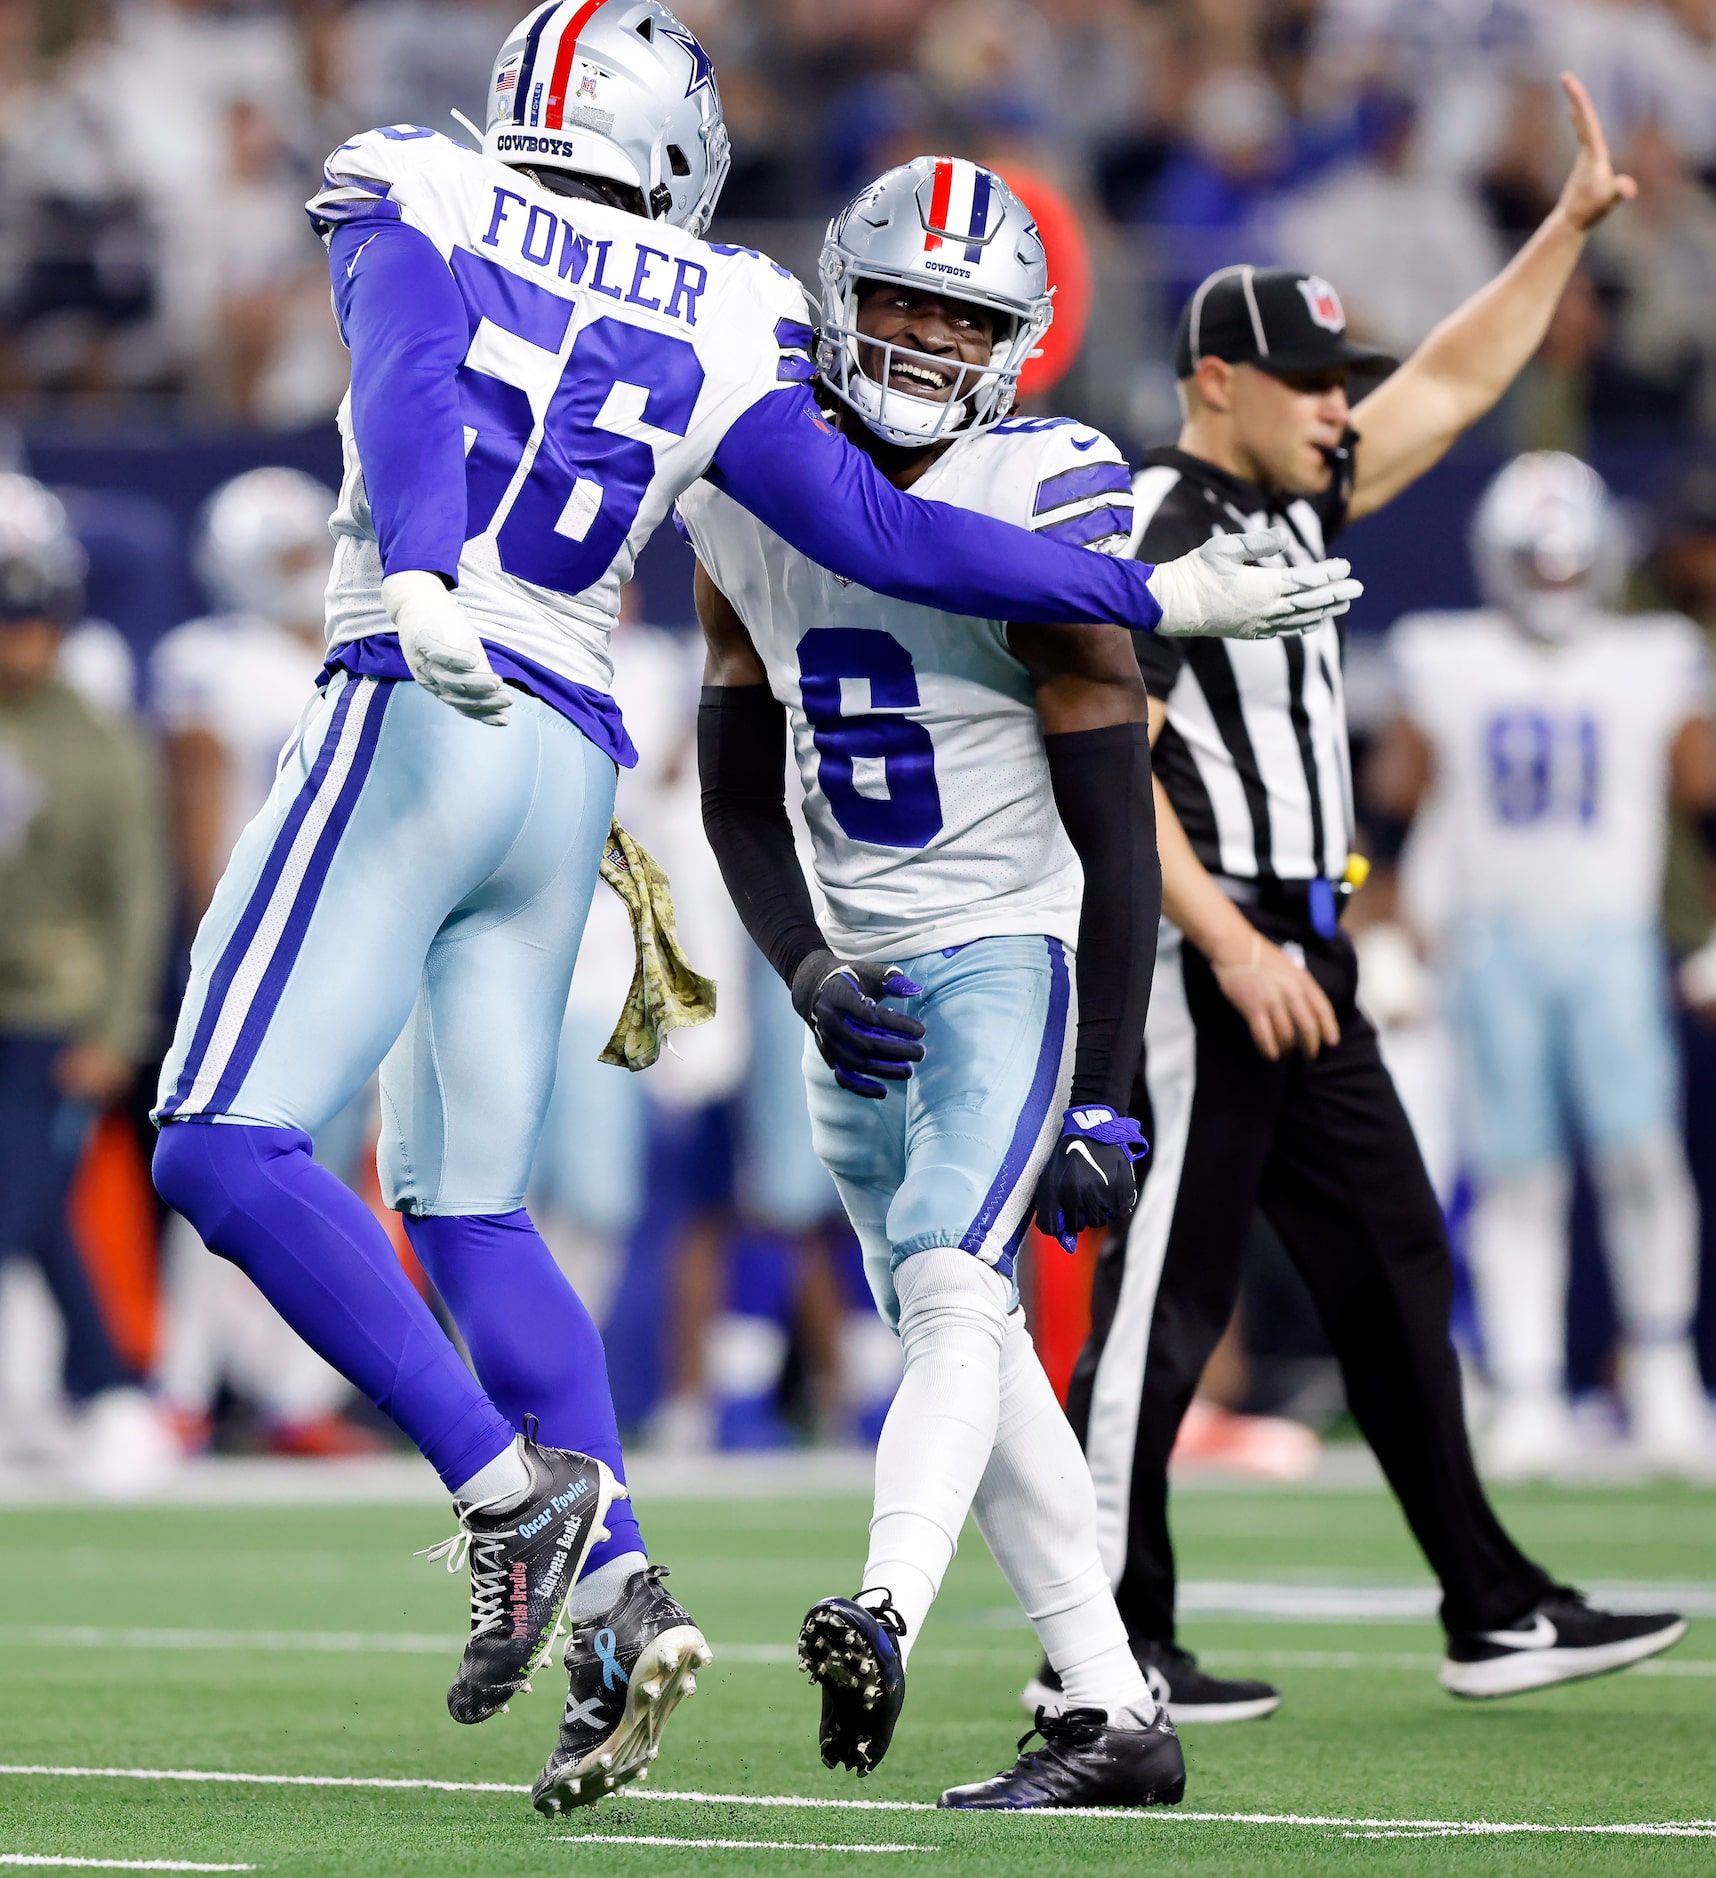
point(414, 889)
point(951, 1158)
point(1563, 1027)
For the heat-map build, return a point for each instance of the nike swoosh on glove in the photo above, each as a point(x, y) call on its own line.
point(859, 1039)
point(1213, 592)
point(442, 648)
point(1088, 1178)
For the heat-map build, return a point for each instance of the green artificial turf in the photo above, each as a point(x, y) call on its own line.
point(1373, 1739)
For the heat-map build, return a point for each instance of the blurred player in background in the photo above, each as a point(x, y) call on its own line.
point(934, 752)
point(228, 690)
point(1262, 1085)
point(1542, 739)
point(83, 915)
point(545, 353)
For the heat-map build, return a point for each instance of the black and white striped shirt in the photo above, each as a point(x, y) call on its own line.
point(1254, 754)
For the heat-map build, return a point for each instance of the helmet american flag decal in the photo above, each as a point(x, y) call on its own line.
point(959, 193)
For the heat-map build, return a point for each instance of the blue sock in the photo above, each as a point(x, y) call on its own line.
point(535, 1347)
point(317, 1254)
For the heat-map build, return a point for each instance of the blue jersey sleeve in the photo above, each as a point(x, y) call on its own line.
point(798, 476)
point(408, 331)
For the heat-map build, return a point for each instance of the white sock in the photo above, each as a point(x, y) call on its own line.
point(1037, 1509)
point(1519, 1270)
point(597, 1592)
point(506, 1477)
point(937, 1439)
point(1650, 1231)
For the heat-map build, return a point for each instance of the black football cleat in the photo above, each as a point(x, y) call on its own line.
point(1190, 1694)
point(1562, 1640)
point(1084, 1762)
point(852, 1651)
point(629, 1669)
point(524, 1562)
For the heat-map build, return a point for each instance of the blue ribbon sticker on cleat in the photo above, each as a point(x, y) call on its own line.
point(603, 1644)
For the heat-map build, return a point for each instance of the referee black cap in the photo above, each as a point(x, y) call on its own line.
point(1275, 318)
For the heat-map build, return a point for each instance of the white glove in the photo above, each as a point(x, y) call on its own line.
point(1698, 976)
point(1213, 592)
point(442, 648)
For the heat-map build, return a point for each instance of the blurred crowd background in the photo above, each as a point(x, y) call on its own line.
point(164, 327)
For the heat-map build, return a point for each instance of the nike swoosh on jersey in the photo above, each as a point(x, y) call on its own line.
point(1088, 443)
point(1541, 1636)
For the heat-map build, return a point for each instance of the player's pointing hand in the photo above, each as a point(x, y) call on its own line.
point(859, 1038)
point(442, 648)
point(1592, 188)
point(1215, 591)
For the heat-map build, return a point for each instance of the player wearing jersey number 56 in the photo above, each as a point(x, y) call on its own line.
point(978, 799)
point(1262, 1085)
point(544, 354)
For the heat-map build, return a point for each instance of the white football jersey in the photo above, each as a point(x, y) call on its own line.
point(243, 680)
point(608, 358)
point(1550, 792)
point(926, 788)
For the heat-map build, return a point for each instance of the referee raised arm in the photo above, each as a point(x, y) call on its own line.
point(1262, 1085)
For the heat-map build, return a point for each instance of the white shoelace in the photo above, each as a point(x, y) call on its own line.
point(486, 1557)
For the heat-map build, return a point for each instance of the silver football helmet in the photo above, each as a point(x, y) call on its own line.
point(618, 89)
point(944, 226)
point(1547, 545)
point(263, 545)
point(41, 564)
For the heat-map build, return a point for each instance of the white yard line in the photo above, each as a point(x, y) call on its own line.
point(1680, 1828)
point(115, 1864)
point(731, 1845)
point(727, 1655)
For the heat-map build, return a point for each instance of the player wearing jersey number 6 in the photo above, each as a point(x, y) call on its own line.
point(978, 795)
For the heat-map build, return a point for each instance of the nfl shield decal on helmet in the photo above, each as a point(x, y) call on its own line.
point(1324, 303)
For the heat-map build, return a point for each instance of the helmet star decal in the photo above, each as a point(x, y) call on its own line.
point(702, 66)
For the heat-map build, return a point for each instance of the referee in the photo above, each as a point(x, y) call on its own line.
point(1262, 1085)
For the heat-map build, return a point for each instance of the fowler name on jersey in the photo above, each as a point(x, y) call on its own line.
point(567, 472)
point(926, 788)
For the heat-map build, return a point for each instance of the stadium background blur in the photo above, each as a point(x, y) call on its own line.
point(164, 325)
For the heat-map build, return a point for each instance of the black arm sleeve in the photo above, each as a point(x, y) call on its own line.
point(741, 763)
point(1102, 789)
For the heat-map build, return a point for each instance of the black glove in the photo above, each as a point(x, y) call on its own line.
point(1088, 1178)
point(859, 1040)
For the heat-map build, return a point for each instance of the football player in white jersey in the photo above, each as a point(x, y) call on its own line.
point(545, 353)
point(978, 798)
point(1545, 736)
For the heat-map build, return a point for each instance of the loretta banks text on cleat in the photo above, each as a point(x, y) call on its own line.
point(524, 1561)
point(851, 1651)
point(1083, 1761)
point(1562, 1640)
point(629, 1669)
point(1189, 1693)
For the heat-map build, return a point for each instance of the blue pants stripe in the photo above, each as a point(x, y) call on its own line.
point(1032, 1116)
point(244, 935)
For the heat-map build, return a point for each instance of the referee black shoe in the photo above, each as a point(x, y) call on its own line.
point(525, 1556)
point(852, 1652)
point(1084, 1762)
point(1188, 1693)
point(1562, 1640)
point(630, 1669)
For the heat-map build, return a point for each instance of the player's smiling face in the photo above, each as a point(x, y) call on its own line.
point(951, 333)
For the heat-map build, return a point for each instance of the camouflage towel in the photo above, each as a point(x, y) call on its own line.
point(666, 993)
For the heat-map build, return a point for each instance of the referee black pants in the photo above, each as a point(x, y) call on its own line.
point(1324, 1148)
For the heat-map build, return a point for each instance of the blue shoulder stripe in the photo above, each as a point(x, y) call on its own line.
point(1079, 531)
point(1079, 482)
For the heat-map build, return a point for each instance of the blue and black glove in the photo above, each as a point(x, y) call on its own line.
point(1088, 1178)
point(859, 1039)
